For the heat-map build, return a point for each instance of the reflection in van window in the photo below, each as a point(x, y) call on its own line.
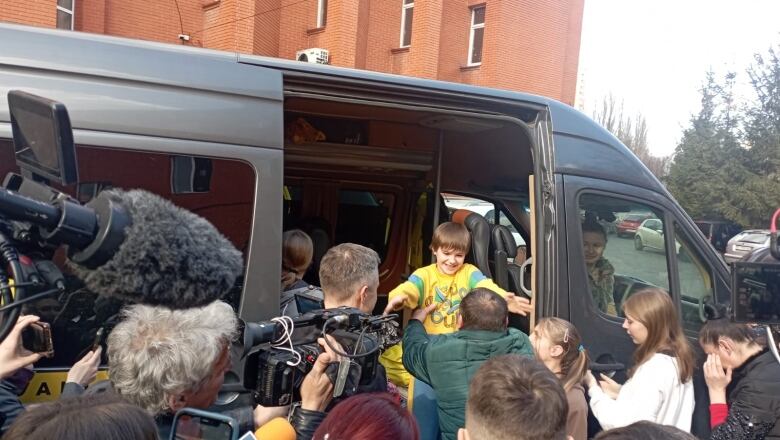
point(622, 256)
point(76, 315)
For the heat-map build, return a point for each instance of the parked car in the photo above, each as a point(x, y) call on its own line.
point(627, 227)
point(650, 234)
point(746, 242)
point(718, 232)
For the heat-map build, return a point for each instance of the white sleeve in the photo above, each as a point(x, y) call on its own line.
point(639, 399)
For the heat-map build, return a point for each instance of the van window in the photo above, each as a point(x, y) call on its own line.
point(364, 217)
point(621, 263)
point(695, 281)
point(224, 196)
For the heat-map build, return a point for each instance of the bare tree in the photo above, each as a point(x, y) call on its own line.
point(632, 131)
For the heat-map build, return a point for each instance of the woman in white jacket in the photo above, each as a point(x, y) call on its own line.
point(659, 388)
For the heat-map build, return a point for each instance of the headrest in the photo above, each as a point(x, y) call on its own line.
point(479, 228)
point(503, 240)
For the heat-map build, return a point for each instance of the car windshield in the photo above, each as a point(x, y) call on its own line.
point(758, 238)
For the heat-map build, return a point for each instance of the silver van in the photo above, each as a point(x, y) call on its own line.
point(257, 145)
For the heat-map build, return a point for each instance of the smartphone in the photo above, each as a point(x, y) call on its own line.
point(98, 338)
point(195, 424)
point(37, 338)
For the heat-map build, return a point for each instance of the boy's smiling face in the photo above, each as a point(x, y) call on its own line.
point(449, 261)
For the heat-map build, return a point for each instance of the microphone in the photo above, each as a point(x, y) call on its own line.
point(276, 429)
point(131, 245)
point(168, 256)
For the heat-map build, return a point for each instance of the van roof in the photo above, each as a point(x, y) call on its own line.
point(196, 68)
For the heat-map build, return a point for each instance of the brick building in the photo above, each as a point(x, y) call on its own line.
point(525, 45)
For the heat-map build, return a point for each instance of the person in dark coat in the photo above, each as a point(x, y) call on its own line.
point(739, 367)
point(447, 362)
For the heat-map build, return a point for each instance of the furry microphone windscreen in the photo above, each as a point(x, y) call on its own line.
point(169, 257)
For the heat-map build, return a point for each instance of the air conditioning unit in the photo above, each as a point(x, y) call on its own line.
point(313, 55)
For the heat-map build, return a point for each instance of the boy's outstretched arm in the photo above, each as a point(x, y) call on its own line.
point(407, 294)
point(518, 304)
point(515, 303)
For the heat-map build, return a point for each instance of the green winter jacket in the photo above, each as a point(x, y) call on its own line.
point(447, 362)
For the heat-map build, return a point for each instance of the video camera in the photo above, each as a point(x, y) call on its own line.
point(36, 219)
point(282, 351)
point(755, 284)
point(755, 288)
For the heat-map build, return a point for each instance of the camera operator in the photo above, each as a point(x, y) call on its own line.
point(163, 360)
point(349, 276)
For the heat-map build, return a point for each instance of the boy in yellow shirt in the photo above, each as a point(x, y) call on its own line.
point(447, 281)
point(443, 285)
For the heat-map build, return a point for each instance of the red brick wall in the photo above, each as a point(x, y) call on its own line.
point(33, 12)
point(529, 45)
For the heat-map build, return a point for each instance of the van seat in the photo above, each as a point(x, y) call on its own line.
point(479, 228)
point(503, 247)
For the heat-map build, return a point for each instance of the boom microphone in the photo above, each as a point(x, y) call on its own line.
point(169, 256)
point(131, 245)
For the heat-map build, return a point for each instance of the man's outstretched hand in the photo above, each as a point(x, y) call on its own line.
point(423, 312)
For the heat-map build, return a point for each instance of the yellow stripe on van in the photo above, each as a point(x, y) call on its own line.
point(46, 386)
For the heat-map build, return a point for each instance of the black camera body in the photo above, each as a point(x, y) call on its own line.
point(274, 370)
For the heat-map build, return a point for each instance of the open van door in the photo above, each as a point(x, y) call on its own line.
point(680, 264)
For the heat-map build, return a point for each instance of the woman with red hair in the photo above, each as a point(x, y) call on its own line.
point(370, 416)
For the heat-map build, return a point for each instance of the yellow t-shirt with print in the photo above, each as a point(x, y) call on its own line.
point(428, 285)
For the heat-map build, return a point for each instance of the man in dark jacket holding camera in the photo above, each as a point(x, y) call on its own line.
point(447, 362)
point(349, 275)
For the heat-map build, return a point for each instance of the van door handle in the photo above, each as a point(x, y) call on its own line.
point(525, 264)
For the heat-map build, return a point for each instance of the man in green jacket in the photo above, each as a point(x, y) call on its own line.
point(447, 362)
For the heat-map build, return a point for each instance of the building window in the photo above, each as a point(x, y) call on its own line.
point(477, 35)
point(65, 10)
point(407, 14)
point(322, 13)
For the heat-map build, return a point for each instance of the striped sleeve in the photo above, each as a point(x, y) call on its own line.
point(413, 288)
point(478, 279)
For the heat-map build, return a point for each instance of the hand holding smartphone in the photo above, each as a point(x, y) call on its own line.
point(37, 339)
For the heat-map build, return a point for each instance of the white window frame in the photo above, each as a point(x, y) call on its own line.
point(322, 9)
point(72, 13)
point(404, 8)
point(474, 27)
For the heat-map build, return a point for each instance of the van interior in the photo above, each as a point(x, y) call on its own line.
point(384, 177)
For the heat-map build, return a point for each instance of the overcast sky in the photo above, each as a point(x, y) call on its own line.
point(653, 54)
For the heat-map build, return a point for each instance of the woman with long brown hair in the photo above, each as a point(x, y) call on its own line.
point(297, 253)
point(558, 345)
point(659, 388)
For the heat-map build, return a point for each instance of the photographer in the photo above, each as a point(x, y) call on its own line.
point(163, 360)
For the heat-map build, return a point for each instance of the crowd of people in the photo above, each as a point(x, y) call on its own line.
point(472, 376)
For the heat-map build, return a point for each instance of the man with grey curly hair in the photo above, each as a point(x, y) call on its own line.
point(163, 360)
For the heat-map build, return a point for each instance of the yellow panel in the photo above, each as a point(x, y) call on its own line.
point(46, 386)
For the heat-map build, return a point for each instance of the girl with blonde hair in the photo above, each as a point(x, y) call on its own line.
point(558, 345)
point(659, 388)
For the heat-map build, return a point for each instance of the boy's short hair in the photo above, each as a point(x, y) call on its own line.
point(512, 397)
point(450, 235)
